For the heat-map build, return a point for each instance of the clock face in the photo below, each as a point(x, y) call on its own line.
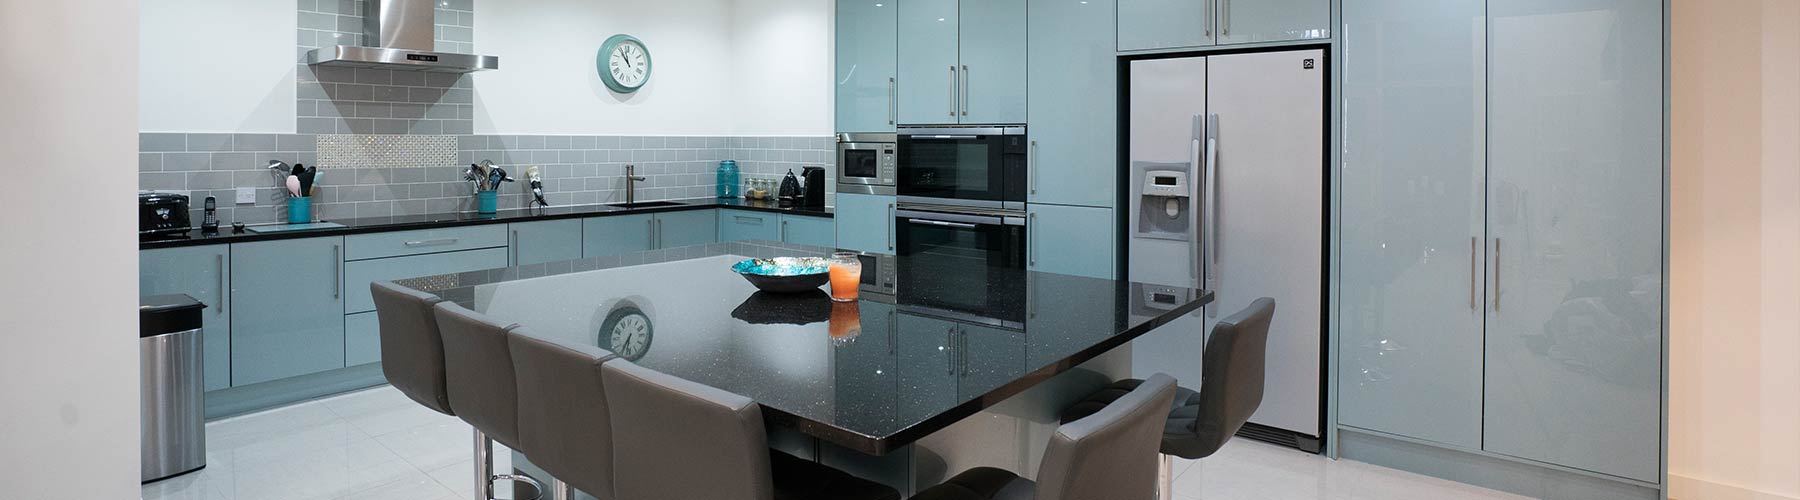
point(624, 64)
point(628, 333)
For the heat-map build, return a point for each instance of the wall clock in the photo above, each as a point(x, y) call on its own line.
point(624, 64)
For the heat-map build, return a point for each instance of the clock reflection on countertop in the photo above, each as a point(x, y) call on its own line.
point(628, 331)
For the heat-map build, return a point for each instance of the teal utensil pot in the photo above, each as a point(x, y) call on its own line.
point(487, 202)
point(299, 210)
point(728, 179)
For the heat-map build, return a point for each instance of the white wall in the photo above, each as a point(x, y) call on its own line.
point(217, 66)
point(722, 67)
point(68, 259)
point(1734, 423)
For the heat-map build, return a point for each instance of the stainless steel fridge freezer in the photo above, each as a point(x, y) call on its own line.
point(1227, 182)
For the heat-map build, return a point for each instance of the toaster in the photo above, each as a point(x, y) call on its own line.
point(162, 213)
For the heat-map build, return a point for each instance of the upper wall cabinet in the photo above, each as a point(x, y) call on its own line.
point(867, 81)
point(1073, 88)
point(1175, 24)
point(962, 62)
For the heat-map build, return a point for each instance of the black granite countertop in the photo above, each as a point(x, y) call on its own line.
point(872, 375)
point(430, 221)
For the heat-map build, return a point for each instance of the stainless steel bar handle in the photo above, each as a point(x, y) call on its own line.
point(1496, 274)
point(964, 99)
point(893, 97)
point(1212, 200)
point(659, 234)
point(428, 243)
point(1199, 170)
point(219, 272)
point(963, 225)
point(950, 345)
point(337, 271)
point(890, 226)
point(1031, 168)
point(1212, 16)
point(1031, 236)
point(784, 230)
point(650, 231)
point(747, 218)
point(1474, 271)
point(953, 92)
point(515, 247)
point(1226, 16)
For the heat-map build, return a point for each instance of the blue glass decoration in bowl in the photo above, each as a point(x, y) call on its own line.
point(785, 274)
point(728, 179)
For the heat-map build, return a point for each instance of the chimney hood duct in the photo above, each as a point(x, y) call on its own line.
point(402, 34)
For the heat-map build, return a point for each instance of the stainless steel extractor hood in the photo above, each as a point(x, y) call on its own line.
point(402, 34)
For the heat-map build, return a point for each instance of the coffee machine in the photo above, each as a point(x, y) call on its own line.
point(813, 194)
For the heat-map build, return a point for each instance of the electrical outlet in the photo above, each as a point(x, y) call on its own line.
point(246, 196)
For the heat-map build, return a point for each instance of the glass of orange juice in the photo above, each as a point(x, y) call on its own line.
point(846, 276)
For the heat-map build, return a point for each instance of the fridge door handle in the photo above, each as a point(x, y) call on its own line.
point(1198, 169)
point(1214, 218)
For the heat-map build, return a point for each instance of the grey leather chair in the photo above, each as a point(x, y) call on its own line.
point(564, 425)
point(412, 352)
point(1109, 454)
point(483, 389)
point(678, 440)
point(1231, 388)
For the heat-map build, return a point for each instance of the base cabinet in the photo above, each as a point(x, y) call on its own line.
point(749, 225)
point(538, 242)
point(814, 231)
point(203, 273)
point(615, 235)
point(1071, 240)
point(680, 229)
point(289, 308)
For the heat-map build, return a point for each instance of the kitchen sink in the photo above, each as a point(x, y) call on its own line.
point(645, 204)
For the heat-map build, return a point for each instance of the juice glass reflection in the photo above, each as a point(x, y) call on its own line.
point(846, 322)
point(846, 276)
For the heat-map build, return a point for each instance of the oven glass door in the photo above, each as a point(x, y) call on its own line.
point(961, 264)
point(958, 167)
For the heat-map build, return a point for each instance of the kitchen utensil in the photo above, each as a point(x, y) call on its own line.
point(293, 186)
point(785, 274)
point(306, 176)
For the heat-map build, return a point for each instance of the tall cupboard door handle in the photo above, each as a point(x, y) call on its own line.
point(219, 265)
point(965, 90)
point(337, 271)
point(953, 92)
point(1031, 172)
point(1474, 271)
point(1212, 15)
point(1497, 274)
point(1226, 16)
point(893, 96)
point(890, 226)
point(1031, 236)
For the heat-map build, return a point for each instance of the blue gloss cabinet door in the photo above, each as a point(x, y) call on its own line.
point(203, 273)
point(867, 82)
point(1070, 240)
point(1164, 24)
point(815, 231)
point(992, 61)
point(749, 225)
point(1073, 157)
point(1410, 344)
point(927, 364)
point(289, 316)
point(538, 242)
point(617, 234)
point(693, 227)
point(1254, 21)
point(865, 223)
point(929, 80)
point(1575, 222)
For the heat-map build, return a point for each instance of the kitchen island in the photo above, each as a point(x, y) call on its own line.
point(895, 386)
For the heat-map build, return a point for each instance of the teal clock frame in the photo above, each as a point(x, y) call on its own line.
point(606, 77)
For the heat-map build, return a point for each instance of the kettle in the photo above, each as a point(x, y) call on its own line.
point(790, 189)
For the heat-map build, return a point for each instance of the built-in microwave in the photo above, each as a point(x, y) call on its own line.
point(961, 260)
point(867, 163)
point(982, 167)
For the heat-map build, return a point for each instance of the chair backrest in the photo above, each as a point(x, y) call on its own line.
point(563, 421)
point(679, 440)
point(412, 351)
point(1232, 377)
point(1112, 453)
point(479, 370)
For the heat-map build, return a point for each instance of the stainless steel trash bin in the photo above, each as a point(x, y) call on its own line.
point(172, 394)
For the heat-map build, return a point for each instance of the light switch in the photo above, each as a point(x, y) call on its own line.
point(246, 196)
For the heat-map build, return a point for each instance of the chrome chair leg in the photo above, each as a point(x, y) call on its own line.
point(1165, 478)
point(560, 490)
point(485, 476)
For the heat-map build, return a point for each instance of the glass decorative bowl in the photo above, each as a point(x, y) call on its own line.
point(785, 274)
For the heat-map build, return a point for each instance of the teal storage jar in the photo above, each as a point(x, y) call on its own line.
point(728, 179)
point(299, 210)
point(487, 202)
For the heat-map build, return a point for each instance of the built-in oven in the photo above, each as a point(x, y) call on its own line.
point(969, 261)
point(867, 163)
point(982, 167)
